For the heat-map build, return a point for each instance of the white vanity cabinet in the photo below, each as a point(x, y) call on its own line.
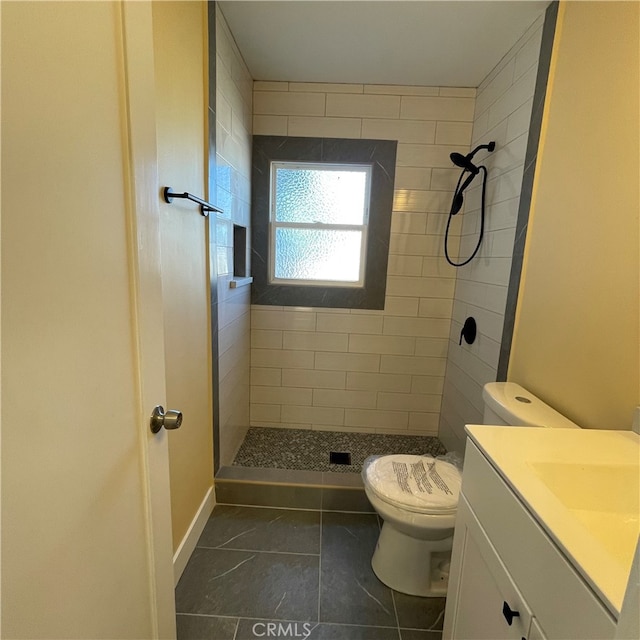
point(508, 579)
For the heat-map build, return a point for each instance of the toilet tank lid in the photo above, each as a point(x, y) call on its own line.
point(518, 406)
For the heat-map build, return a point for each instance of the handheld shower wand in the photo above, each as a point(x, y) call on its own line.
point(467, 166)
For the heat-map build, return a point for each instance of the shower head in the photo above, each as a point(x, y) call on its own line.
point(464, 162)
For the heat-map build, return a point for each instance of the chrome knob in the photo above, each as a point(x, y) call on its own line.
point(170, 419)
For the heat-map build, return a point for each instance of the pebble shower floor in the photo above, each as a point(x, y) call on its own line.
point(305, 450)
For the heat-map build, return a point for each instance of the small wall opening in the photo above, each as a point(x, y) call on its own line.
point(239, 251)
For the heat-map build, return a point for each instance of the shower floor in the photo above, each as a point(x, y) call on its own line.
point(305, 450)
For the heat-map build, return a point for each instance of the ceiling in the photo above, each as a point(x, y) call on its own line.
point(422, 42)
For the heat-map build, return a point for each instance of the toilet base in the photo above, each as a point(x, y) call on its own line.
point(412, 566)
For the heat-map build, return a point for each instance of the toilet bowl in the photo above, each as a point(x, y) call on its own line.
point(417, 498)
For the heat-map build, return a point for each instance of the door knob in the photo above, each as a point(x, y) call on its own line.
point(170, 419)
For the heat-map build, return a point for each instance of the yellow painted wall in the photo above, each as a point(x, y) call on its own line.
point(576, 338)
point(181, 86)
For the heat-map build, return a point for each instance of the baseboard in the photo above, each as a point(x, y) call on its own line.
point(188, 544)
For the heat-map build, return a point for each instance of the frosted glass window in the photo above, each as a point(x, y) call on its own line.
point(317, 254)
point(328, 196)
point(318, 223)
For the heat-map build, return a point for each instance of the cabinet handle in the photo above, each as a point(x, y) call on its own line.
point(509, 614)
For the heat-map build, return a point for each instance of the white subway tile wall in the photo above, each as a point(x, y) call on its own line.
point(502, 113)
point(359, 370)
point(234, 96)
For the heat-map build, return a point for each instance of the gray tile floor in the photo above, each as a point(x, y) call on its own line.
point(261, 572)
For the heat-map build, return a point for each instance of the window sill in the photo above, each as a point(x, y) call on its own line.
point(236, 283)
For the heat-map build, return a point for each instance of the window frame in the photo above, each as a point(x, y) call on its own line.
point(274, 225)
point(381, 156)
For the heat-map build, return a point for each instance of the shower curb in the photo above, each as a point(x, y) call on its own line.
point(287, 488)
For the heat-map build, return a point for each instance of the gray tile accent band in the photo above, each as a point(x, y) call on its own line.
point(211, 227)
point(531, 156)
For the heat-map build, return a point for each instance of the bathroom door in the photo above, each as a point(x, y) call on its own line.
point(86, 534)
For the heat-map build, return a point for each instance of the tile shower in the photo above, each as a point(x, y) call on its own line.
point(345, 371)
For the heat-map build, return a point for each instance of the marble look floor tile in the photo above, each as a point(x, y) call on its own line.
point(249, 585)
point(352, 632)
point(273, 629)
point(262, 529)
point(191, 627)
point(350, 592)
point(419, 613)
point(420, 634)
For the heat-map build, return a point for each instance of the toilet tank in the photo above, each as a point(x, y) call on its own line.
point(507, 403)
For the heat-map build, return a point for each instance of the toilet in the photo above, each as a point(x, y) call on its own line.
point(417, 497)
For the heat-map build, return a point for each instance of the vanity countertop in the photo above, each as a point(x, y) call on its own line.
point(583, 487)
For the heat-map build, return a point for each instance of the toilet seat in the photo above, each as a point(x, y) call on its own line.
point(420, 484)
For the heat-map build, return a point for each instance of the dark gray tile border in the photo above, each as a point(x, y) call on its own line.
point(381, 154)
point(211, 226)
point(249, 585)
point(198, 627)
point(234, 492)
point(524, 207)
point(262, 529)
point(265, 474)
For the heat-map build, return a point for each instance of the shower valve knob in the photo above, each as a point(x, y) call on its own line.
point(170, 419)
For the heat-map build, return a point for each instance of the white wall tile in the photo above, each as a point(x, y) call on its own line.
point(347, 323)
point(305, 126)
point(288, 320)
point(281, 395)
point(424, 155)
point(400, 306)
point(419, 327)
point(288, 104)
point(440, 108)
point(376, 418)
point(401, 90)
point(351, 399)
point(401, 130)
point(458, 92)
point(270, 125)
point(265, 412)
point(409, 401)
point(362, 106)
point(266, 339)
point(432, 347)
point(265, 85)
point(414, 178)
point(266, 377)
point(381, 344)
point(378, 382)
point(281, 358)
point(421, 366)
point(314, 379)
point(347, 362)
point(323, 87)
point(313, 415)
point(432, 385)
point(315, 341)
point(454, 133)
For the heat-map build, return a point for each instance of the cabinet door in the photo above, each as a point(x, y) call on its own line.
point(483, 602)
